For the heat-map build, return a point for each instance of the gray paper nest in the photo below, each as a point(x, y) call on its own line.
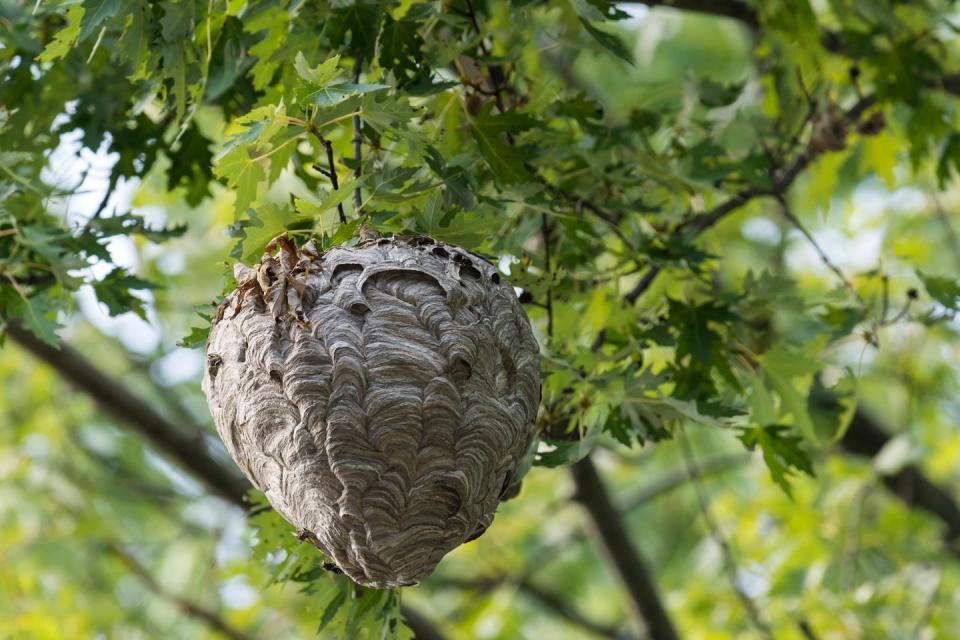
point(382, 396)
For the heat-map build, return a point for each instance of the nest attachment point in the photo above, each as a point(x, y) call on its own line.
point(382, 396)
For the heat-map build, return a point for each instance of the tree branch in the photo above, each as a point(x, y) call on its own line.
point(726, 549)
point(550, 601)
point(422, 628)
point(121, 403)
point(331, 172)
point(547, 599)
point(782, 181)
point(723, 8)
point(677, 478)
point(795, 221)
point(865, 437)
point(188, 607)
point(592, 495)
point(126, 407)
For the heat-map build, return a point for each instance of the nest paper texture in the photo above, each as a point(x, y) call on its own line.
point(381, 396)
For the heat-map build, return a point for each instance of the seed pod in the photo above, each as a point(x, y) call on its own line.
point(381, 396)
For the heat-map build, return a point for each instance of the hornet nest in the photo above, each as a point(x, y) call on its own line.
point(382, 396)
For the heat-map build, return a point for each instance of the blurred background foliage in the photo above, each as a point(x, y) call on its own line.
point(815, 310)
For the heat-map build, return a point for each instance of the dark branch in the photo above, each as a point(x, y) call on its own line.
point(545, 230)
point(422, 628)
point(544, 597)
point(122, 404)
point(782, 181)
point(357, 142)
point(723, 8)
point(551, 602)
point(865, 437)
point(497, 77)
point(332, 171)
point(592, 495)
point(188, 607)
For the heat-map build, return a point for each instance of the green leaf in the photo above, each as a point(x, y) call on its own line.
point(946, 291)
point(136, 38)
point(762, 406)
point(331, 610)
point(464, 228)
point(274, 25)
point(196, 339)
point(265, 223)
point(264, 138)
point(176, 23)
point(344, 233)
point(598, 10)
point(609, 41)
point(331, 95)
point(782, 452)
point(37, 313)
point(506, 162)
point(362, 21)
point(949, 160)
point(243, 173)
point(510, 121)
point(114, 291)
point(65, 38)
point(790, 374)
point(330, 200)
point(566, 452)
point(385, 112)
point(319, 75)
point(190, 165)
point(94, 14)
point(130, 224)
point(697, 338)
point(401, 49)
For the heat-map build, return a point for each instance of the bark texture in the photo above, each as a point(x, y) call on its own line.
point(381, 396)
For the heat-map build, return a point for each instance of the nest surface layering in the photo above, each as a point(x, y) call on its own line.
point(382, 396)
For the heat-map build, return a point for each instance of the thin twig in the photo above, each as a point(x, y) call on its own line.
point(852, 542)
point(332, 173)
point(544, 597)
point(789, 215)
point(928, 608)
point(548, 273)
point(726, 551)
point(676, 478)
point(190, 608)
point(357, 142)
point(496, 73)
point(954, 240)
point(641, 286)
point(781, 183)
point(582, 203)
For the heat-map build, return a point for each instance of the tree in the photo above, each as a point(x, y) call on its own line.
point(731, 224)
